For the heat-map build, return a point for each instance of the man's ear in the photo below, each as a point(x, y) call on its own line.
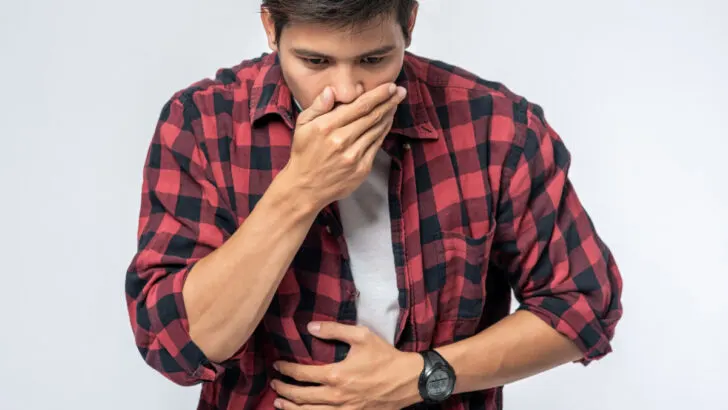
point(269, 27)
point(411, 23)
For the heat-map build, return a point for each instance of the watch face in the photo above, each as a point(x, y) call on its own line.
point(439, 384)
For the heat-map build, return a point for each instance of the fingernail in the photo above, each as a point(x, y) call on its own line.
point(314, 327)
point(326, 95)
point(392, 88)
point(277, 403)
point(275, 366)
point(401, 91)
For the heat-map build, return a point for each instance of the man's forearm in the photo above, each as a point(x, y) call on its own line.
point(519, 346)
point(227, 293)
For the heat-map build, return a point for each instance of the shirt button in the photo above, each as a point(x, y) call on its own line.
point(406, 147)
point(328, 229)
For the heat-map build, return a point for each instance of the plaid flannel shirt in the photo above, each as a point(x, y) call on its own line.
point(479, 199)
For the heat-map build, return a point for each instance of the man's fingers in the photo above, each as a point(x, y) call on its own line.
point(374, 136)
point(304, 373)
point(361, 107)
point(367, 158)
point(360, 126)
point(336, 331)
point(306, 395)
point(370, 151)
point(289, 405)
point(321, 105)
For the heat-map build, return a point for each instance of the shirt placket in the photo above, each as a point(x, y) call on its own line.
point(349, 294)
point(397, 152)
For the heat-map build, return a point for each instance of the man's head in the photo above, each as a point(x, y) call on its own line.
point(350, 45)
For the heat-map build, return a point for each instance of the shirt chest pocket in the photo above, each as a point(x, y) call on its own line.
point(455, 270)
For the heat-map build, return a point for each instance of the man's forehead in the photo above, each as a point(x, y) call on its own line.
point(371, 30)
point(348, 42)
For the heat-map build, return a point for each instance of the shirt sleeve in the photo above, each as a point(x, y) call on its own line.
point(559, 267)
point(183, 218)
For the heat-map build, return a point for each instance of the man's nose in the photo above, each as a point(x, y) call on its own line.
point(347, 89)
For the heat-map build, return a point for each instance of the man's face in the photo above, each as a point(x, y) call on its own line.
point(350, 60)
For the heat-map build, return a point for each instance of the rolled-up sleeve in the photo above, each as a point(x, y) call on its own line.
point(183, 218)
point(559, 267)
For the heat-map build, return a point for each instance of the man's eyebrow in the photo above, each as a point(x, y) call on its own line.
point(313, 54)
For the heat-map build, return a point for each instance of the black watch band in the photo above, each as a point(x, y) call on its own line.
point(437, 380)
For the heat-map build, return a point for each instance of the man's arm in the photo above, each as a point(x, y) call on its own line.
point(379, 376)
point(517, 347)
point(564, 277)
point(198, 287)
point(194, 271)
point(228, 292)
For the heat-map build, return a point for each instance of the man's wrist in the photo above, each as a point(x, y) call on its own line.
point(291, 191)
point(307, 196)
point(408, 373)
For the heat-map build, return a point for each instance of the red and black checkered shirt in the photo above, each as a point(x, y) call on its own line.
point(480, 203)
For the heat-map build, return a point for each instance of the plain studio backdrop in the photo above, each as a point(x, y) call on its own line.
point(636, 89)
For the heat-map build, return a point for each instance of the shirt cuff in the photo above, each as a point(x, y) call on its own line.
point(587, 333)
point(179, 357)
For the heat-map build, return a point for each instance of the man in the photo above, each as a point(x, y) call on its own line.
point(339, 224)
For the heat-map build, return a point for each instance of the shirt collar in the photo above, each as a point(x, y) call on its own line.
point(270, 94)
point(415, 117)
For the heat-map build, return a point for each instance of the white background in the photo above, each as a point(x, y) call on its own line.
point(636, 89)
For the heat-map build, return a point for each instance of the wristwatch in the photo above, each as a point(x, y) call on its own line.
point(437, 380)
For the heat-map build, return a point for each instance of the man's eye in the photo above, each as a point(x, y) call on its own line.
point(372, 60)
point(315, 61)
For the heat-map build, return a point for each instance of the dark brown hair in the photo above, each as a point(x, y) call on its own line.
point(337, 13)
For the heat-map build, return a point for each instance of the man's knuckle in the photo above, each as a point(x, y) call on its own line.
point(324, 128)
point(334, 377)
point(365, 107)
point(346, 382)
point(349, 160)
point(338, 396)
point(363, 333)
point(338, 142)
point(363, 167)
point(378, 117)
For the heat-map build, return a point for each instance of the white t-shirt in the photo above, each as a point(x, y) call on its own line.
point(367, 233)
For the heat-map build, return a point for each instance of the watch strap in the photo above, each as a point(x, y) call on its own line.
point(432, 359)
point(435, 358)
